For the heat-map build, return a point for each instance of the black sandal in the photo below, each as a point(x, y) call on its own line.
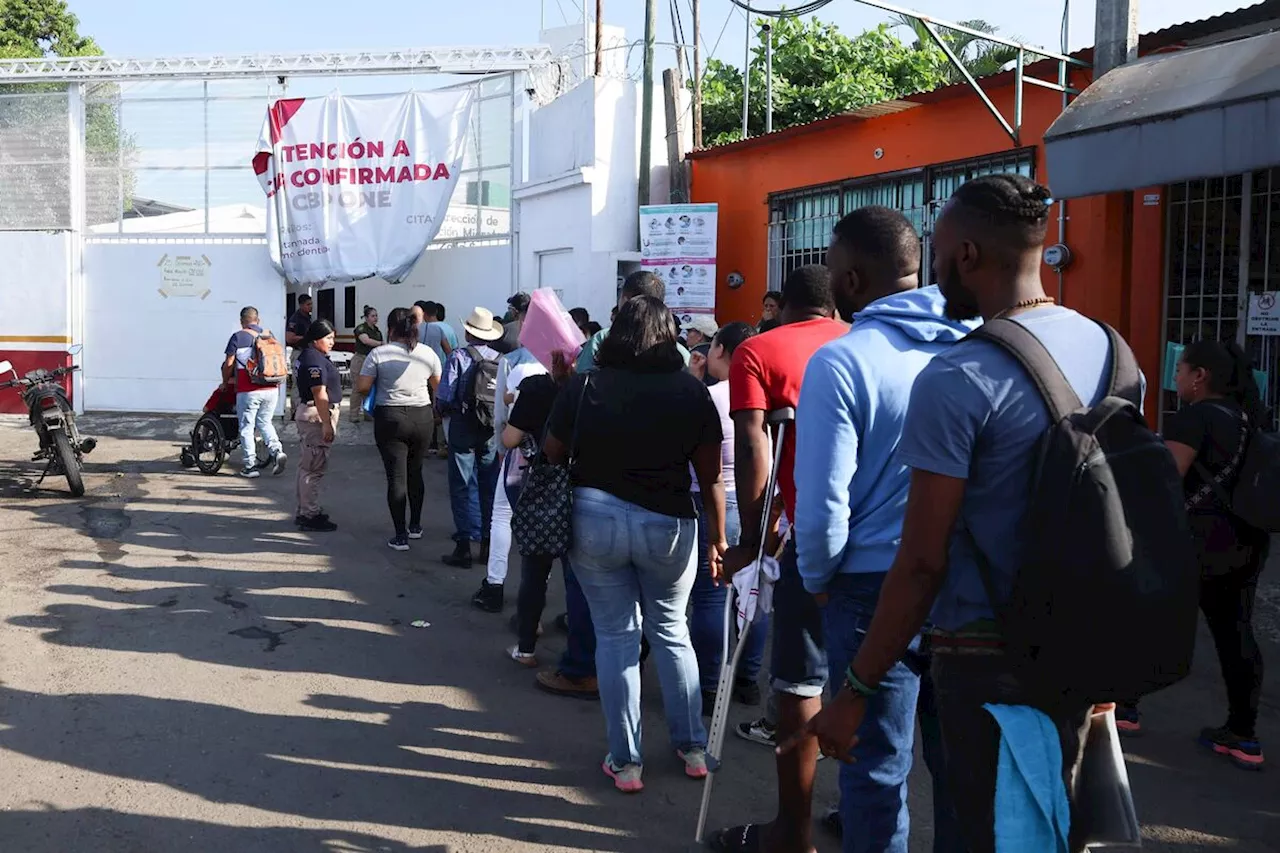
point(736, 839)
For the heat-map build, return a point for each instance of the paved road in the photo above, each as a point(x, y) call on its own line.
point(181, 670)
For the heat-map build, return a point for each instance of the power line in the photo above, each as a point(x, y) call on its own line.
point(805, 9)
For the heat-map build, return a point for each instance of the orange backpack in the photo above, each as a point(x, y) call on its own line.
point(267, 364)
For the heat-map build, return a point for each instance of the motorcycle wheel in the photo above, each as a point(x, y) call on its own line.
point(70, 463)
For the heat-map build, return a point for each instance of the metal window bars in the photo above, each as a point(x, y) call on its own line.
point(1220, 250)
point(800, 221)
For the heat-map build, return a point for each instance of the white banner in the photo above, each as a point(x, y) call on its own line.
point(678, 242)
point(358, 186)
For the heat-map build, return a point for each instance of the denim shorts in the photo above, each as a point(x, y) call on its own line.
point(799, 662)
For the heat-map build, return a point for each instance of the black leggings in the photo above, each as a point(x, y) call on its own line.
point(1227, 604)
point(402, 433)
point(535, 572)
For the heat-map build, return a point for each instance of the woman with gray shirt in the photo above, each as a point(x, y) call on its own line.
point(406, 374)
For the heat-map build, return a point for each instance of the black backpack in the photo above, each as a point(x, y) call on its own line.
point(1104, 605)
point(481, 391)
point(1256, 472)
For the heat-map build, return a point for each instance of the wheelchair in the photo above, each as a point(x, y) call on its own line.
point(216, 435)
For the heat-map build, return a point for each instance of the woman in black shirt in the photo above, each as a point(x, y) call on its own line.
point(320, 395)
point(523, 438)
point(632, 428)
point(1208, 437)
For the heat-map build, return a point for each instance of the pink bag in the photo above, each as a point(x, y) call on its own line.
point(548, 328)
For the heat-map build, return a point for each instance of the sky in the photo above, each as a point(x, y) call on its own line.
point(168, 28)
point(167, 133)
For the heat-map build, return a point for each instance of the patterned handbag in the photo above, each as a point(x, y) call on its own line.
point(542, 518)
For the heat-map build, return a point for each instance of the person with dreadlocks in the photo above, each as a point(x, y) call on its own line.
point(972, 429)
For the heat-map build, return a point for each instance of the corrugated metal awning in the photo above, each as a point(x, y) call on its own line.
point(1171, 117)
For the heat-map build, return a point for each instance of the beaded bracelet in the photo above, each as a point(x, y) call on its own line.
point(856, 685)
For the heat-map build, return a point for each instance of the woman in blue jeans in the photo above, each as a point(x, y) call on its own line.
point(706, 618)
point(631, 429)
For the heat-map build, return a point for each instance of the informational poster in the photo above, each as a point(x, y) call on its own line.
point(358, 186)
point(1264, 314)
point(678, 242)
point(184, 276)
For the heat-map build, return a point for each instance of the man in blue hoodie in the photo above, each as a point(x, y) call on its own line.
point(852, 491)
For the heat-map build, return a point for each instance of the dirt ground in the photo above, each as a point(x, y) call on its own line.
point(182, 670)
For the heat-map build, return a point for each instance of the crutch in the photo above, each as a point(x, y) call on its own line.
point(778, 418)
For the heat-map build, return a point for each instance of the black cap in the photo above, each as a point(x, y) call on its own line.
point(520, 302)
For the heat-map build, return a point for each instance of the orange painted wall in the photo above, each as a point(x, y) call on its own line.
point(1117, 270)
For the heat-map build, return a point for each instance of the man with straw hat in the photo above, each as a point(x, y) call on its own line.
point(467, 398)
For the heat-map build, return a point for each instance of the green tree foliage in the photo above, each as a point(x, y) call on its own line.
point(819, 72)
point(980, 57)
point(34, 159)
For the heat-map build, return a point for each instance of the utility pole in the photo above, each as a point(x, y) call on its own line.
point(586, 41)
point(673, 91)
point(646, 108)
point(697, 74)
point(1116, 35)
point(746, 82)
point(599, 38)
point(768, 82)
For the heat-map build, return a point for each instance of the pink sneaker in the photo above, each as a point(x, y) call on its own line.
point(626, 778)
point(695, 762)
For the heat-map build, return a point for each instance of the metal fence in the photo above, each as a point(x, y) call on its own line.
point(800, 221)
point(35, 158)
point(1220, 251)
point(135, 151)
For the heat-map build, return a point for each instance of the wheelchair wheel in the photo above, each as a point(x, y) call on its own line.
point(208, 444)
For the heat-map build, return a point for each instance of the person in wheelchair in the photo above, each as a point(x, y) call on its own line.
point(255, 404)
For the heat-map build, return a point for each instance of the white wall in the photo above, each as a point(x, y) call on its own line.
point(35, 276)
point(582, 195)
point(459, 276)
point(148, 353)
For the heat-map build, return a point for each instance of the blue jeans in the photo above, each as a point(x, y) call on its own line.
point(255, 409)
point(873, 790)
point(627, 557)
point(579, 658)
point(473, 476)
point(706, 617)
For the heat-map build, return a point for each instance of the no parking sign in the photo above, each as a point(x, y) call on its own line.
point(1264, 314)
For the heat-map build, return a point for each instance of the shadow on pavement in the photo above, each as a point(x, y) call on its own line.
point(94, 829)
point(417, 765)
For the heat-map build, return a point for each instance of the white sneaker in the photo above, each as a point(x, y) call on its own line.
point(626, 778)
point(695, 762)
point(278, 462)
point(250, 473)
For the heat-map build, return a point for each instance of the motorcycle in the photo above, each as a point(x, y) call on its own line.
point(54, 420)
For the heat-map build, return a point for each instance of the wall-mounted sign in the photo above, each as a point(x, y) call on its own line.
point(1151, 200)
point(1264, 314)
point(184, 275)
point(678, 242)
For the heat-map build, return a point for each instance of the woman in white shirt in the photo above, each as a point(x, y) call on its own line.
point(706, 616)
point(406, 374)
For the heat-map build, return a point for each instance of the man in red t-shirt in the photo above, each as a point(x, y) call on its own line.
point(765, 375)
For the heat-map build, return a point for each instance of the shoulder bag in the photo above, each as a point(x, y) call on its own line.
point(542, 518)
